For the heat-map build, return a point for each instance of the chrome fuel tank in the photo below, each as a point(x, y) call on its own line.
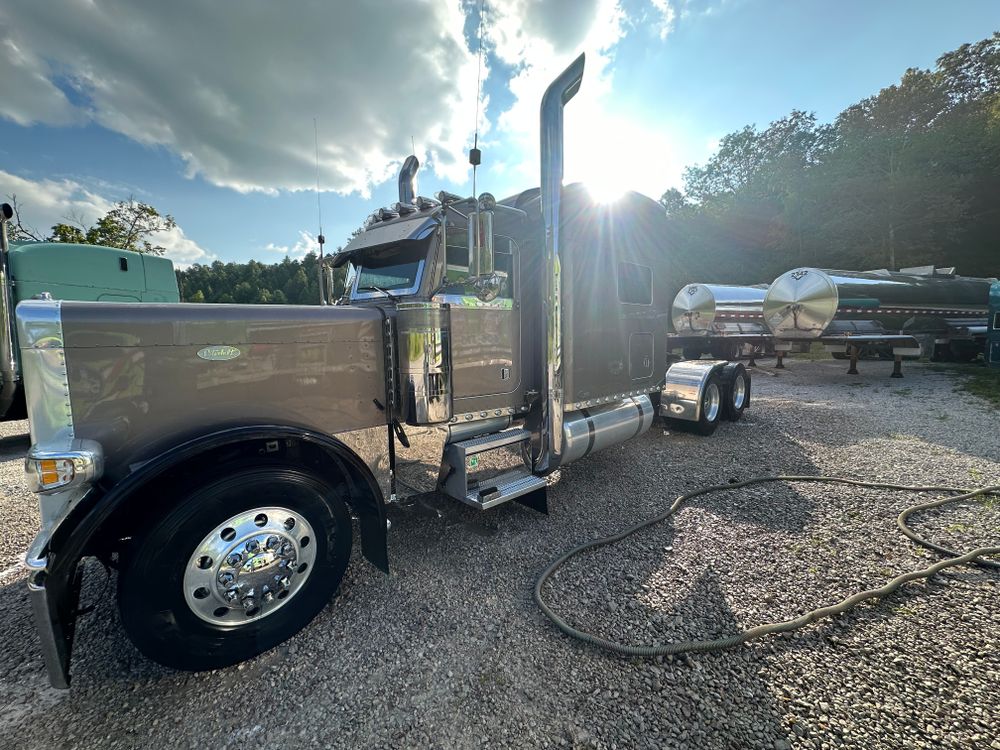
point(589, 430)
point(698, 306)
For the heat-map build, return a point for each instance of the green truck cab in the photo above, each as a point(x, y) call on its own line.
point(89, 273)
point(66, 271)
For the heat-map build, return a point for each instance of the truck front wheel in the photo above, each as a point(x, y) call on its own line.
point(234, 567)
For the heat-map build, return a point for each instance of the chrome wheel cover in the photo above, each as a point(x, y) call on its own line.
point(249, 566)
point(710, 405)
point(739, 391)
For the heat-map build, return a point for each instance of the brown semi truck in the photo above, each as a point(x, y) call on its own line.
point(215, 454)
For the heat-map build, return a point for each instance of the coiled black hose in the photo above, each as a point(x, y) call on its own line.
point(975, 557)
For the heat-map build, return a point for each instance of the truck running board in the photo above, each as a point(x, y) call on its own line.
point(489, 470)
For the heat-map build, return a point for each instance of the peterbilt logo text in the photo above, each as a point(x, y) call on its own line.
point(692, 289)
point(798, 274)
point(219, 353)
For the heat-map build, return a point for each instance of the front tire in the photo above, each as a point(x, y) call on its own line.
point(236, 565)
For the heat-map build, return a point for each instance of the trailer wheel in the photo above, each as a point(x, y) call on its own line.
point(237, 565)
point(726, 349)
point(691, 352)
point(737, 394)
point(711, 407)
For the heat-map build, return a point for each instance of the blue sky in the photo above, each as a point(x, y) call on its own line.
point(206, 110)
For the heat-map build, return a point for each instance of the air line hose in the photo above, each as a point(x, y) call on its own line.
point(974, 557)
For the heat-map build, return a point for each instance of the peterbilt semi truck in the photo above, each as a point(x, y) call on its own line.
point(63, 270)
point(215, 454)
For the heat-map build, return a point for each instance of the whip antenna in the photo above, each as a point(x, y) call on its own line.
point(319, 212)
point(475, 155)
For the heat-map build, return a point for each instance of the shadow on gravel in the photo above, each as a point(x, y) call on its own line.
point(14, 444)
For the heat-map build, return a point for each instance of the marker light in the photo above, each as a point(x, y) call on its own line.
point(47, 471)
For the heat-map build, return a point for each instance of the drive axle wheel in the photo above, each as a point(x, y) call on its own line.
point(711, 407)
point(737, 393)
point(235, 566)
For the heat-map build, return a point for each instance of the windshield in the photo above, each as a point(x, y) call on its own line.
point(395, 268)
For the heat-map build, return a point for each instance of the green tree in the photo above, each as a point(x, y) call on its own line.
point(68, 233)
point(129, 225)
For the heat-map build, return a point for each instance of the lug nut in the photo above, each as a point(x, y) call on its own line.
point(252, 546)
point(273, 542)
point(226, 578)
point(234, 560)
point(249, 603)
point(231, 595)
point(285, 582)
point(268, 596)
point(286, 549)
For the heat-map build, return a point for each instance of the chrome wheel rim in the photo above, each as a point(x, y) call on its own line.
point(249, 566)
point(739, 391)
point(711, 403)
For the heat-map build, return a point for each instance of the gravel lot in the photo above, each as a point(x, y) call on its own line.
point(450, 650)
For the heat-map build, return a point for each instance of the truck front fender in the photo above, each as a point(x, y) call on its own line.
point(54, 583)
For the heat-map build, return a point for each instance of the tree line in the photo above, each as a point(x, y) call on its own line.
point(291, 282)
point(907, 177)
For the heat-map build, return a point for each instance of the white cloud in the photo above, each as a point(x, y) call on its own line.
point(27, 95)
point(43, 203)
point(665, 15)
point(180, 248)
point(304, 244)
point(233, 88)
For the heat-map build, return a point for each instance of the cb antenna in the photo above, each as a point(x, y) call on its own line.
point(319, 212)
point(475, 155)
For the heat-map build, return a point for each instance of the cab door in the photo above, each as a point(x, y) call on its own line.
point(485, 334)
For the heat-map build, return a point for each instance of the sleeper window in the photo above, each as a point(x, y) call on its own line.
point(635, 284)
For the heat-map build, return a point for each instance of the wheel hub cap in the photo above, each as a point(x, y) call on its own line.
point(711, 405)
point(739, 392)
point(249, 566)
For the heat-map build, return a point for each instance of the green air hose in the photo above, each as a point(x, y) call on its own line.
point(955, 558)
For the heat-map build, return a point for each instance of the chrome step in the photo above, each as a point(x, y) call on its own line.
point(492, 441)
point(500, 489)
point(486, 481)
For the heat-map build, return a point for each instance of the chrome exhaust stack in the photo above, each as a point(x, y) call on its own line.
point(557, 95)
point(408, 180)
point(10, 371)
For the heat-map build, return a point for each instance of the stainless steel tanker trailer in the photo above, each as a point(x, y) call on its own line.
point(906, 314)
point(723, 320)
point(215, 454)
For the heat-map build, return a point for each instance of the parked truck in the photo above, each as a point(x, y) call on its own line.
point(67, 271)
point(215, 454)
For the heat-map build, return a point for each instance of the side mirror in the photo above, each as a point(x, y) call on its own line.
point(481, 237)
point(488, 287)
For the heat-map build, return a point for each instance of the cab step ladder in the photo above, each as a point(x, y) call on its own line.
point(462, 463)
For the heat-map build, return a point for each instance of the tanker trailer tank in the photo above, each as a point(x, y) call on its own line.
point(698, 308)
point(719, 319)
point(803, 303)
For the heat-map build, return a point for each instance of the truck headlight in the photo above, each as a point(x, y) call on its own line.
point(53, 471)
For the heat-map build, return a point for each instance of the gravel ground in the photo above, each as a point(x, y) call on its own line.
point(450, 650)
